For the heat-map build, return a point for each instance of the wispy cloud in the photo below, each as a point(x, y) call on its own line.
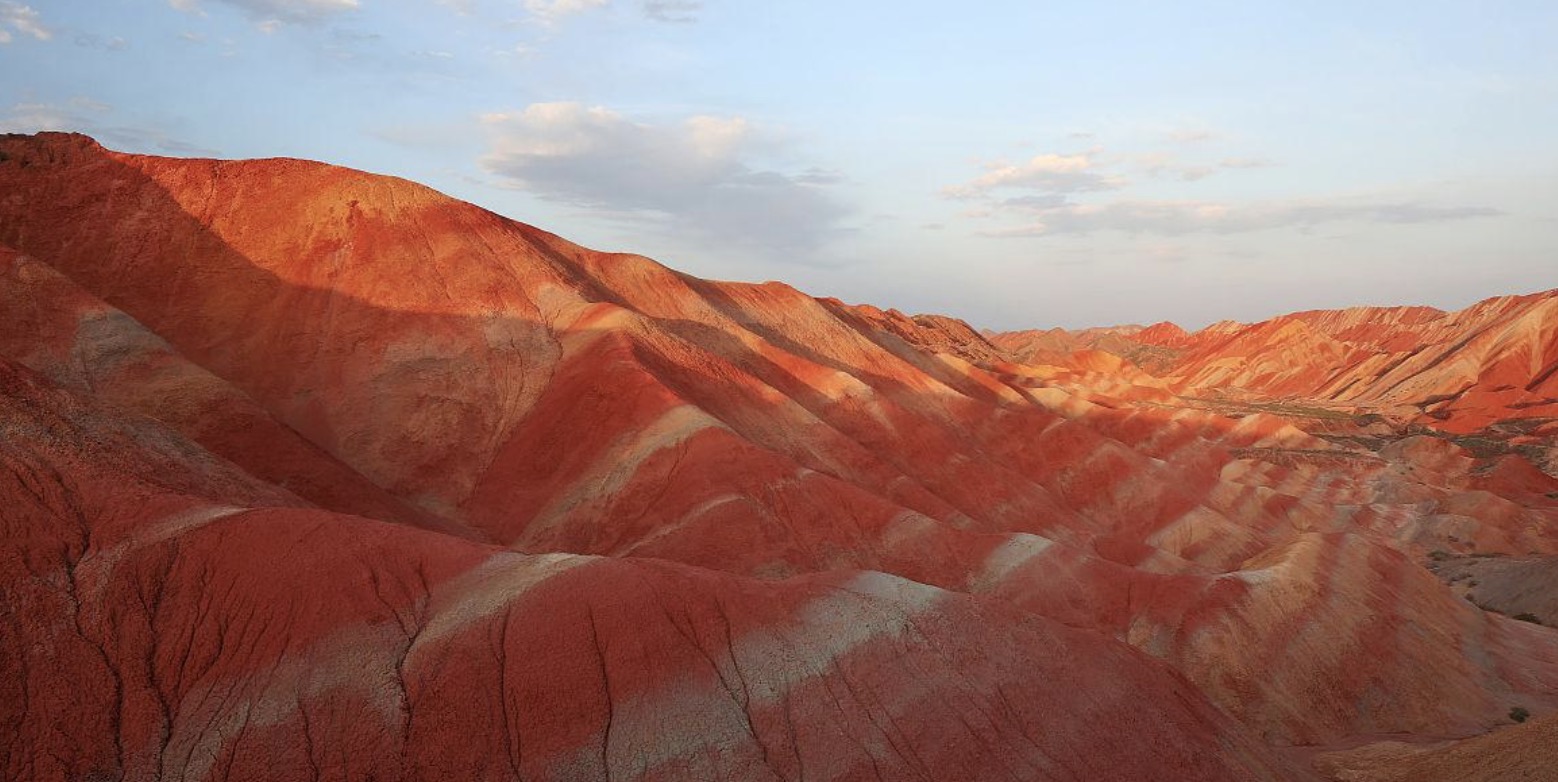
point(674, 11)
point(21, 19)
point(1081, 193)
point(1175, 218)
point(428, 135)
point(552, 11)
point(1191, 135)
point(95, 41)
point(1048, 173)
point(76, 114)
point(1164, 166)
point(271, 14)
point(85, 115)
point(700, 175)
point(1245, 162)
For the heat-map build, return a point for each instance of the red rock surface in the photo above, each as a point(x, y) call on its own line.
point(323, 473)
point(170, 617)
point(1527, 751)
point(1494, 363)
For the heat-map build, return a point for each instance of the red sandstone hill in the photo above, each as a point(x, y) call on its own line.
point(315, 473)
point(1494, 362)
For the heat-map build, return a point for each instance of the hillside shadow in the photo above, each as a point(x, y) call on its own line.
point(112, 227)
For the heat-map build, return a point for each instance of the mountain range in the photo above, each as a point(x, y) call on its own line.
point(311, 473)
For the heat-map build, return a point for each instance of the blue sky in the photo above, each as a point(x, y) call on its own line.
point(1016, 164)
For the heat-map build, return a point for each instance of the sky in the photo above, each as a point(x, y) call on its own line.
point(1017, 164)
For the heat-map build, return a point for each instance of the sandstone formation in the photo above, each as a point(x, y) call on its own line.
point(312, 473)
point(1527, 751)
point(1490, 365)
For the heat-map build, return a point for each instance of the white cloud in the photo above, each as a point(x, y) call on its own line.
point(697, 175)
point(23, 19)
point(1047, 173)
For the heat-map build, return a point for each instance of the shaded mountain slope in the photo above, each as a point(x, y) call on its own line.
point(81, 343)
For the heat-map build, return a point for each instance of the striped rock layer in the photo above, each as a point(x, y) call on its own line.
point(311, 473)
